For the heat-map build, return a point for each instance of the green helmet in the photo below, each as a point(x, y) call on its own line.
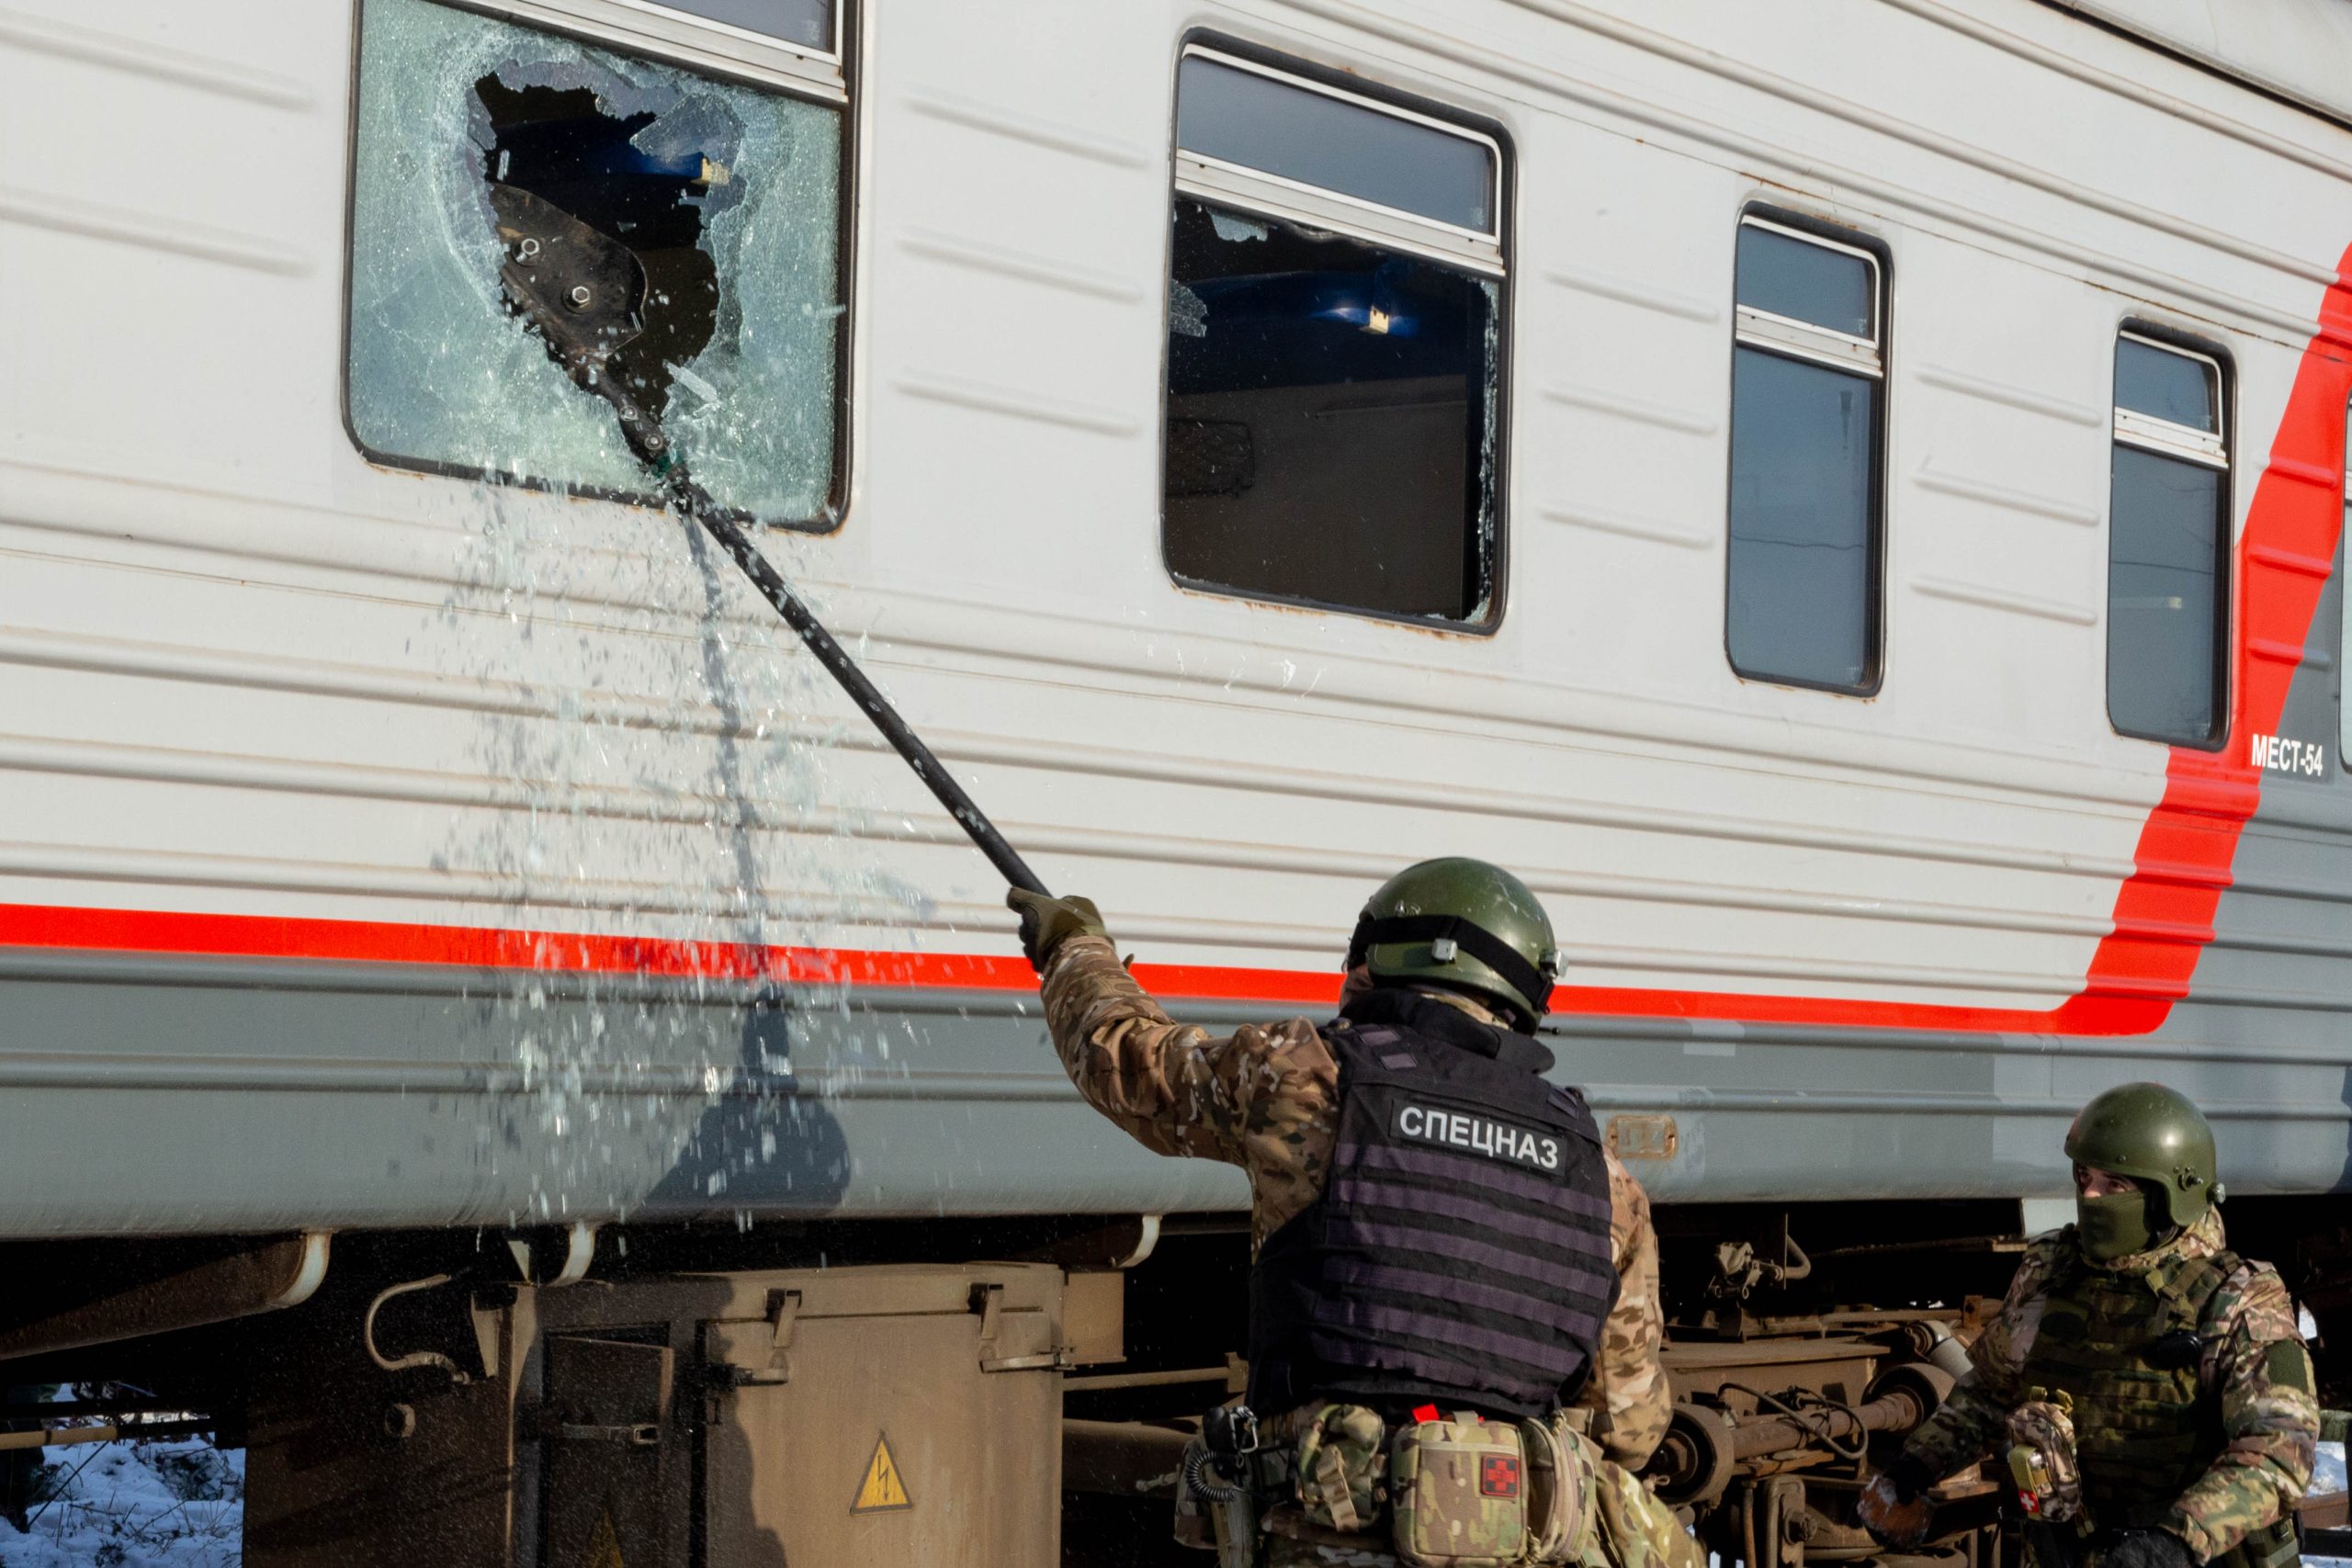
point(1463, 924)
point(2152, 1135)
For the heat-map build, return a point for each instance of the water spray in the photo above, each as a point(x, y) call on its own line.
point(584, 293)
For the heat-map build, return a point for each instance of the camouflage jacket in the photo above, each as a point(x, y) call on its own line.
point(1266, 1098)
point(2254, 1366)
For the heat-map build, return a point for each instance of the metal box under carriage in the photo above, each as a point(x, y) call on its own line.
point(895, 1416)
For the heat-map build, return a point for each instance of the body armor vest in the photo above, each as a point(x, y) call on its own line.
point(2128, 1350)
point(1458, 1252)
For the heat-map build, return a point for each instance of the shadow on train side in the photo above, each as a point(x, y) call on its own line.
point(2343, 1177)
point(765, 1144)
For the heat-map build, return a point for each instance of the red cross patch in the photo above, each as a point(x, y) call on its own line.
point(1497, 1476)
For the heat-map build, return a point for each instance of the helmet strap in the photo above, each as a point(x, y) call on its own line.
point(1534, 989)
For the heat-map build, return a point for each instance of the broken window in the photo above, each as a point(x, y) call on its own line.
point(1333, 348)
point(727, 196)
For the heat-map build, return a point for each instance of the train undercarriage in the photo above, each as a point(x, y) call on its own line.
point(784, 1392)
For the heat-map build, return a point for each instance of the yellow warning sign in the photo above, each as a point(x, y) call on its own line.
point(882, 1491)
point(605, 1545)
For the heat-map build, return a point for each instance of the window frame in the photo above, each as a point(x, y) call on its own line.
point(833, 60)
point(2211, 450)
point(1760, 328)
point(1234, 187)
point(660, 35)
point(2153, 433)
point(1869, 358)
point(1221, 182)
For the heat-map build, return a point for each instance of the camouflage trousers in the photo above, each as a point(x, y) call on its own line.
point(1626, 1527)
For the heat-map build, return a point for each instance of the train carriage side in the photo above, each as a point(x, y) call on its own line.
point(1871, 479)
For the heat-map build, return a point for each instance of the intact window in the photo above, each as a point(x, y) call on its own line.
point(1801, 602)
point(723, 198)
point(2168, 542)
point(1334, 339)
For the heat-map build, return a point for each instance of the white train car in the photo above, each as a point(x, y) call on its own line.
point(1844, 500)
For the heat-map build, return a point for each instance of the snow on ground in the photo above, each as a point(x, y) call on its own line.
point(161, 1505)
point(181, 1504)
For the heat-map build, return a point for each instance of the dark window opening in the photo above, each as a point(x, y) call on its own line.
point(560, 146)
point(1329, 419)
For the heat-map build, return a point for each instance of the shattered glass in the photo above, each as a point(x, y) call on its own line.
point(730, 194)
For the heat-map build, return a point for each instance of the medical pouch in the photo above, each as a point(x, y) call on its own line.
point(1457, 1494)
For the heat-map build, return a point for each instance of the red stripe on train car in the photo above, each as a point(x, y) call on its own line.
point(2163, 911)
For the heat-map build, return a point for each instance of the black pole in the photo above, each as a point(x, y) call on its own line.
point(696, 503)
point(553, 257)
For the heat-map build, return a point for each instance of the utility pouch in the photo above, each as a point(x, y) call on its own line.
point(1457, 1494)
point(2273, 1546)
point(2042, 1462)
point(1559, 1486)
point(1341, 1454)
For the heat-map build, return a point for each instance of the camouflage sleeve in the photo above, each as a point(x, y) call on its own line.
point(1628, 1391)
point(1971, 1422)
point(1963, 1429)
point(2269, 1418)
point(1262, 1098)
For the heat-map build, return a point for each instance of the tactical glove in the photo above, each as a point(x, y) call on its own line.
point(1895, 1507)
point(2149, 1549)
point(1046, 922)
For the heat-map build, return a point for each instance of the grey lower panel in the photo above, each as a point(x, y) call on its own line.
point(146, 1096)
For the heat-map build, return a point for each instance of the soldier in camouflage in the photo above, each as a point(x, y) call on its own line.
point(2180, 1363)
point(1267, 1098)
